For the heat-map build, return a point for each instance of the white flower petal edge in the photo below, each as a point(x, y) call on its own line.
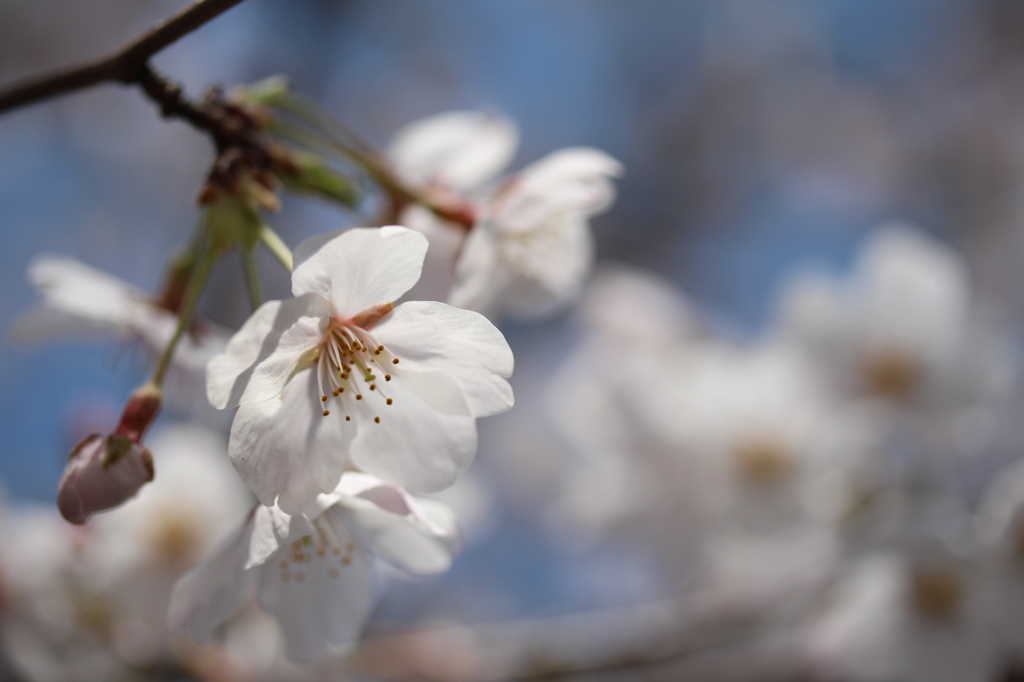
point(577, 179)
point(457, 150)
point(320, 379)
point(75, 288)
point(79, 300)
point(284, 450)
point(433, 336)
point(262, 355)
point(531, 250)
point(359, 268)
point(313, 571)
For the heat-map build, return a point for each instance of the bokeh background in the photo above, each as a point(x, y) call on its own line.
point(756, 136)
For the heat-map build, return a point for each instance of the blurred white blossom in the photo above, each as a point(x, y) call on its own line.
point(530, 248)
point(313, 571)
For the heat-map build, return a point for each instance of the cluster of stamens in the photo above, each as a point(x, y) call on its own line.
point(309, 547)
point(350, 361)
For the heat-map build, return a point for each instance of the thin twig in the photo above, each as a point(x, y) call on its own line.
point(122, 66)
point(227, 129)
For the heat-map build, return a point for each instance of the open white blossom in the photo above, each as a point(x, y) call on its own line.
point(313, 571)
point(452, 156)
point(916, 614)
point(531, 248)
point(619, 472)
point(457, 151)
point(339, 373)
point(768, 447)
point(81, 300)
point(902, 328)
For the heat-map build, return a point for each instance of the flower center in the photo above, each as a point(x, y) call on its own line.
point(936, 592)
point(351, 365)
point(892, 372)
point(324, 547)
point(177, 537)
point(763, 460)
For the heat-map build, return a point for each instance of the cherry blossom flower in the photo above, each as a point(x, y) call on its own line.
point(313, 571)
point(454, 152)
point(902, 329)
point(620, 473)
point(767, 445)
point(81, 300)
point(105, 470)
point(904, 337)
point(916, 614)
point(452, 156)
point(530, 248)
point(340, 373)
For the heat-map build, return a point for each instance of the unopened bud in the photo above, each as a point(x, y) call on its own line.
point(102, 472)
point(269, 91)
point(308, 173)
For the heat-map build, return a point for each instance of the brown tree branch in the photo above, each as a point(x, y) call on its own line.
point(227, 127)
point(122, 66)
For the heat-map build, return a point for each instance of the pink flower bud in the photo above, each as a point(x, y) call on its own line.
point(102, 472)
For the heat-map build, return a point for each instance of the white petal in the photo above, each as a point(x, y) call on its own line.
point(265, 352)
point(431, 517)
point(271, 530)
point(434, 337)
point(321, 602)
point(576, 180)
point(445, 241)
point(396, 539)
point(480, 275)
point(214, 591)
point(355, 482)
point(413, 446)
point(551, 265)
point(359, 268)
point(530, 273)
point(41, 324)
point(437, 389)
point(458, 150)
point(77, 289)
point(285, 446)
point(441, 520)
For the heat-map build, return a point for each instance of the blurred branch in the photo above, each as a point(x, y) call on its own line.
point(127, 65)
point(226, 126)
point(656, 638)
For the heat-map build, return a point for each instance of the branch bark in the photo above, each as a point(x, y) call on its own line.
point(125, 65)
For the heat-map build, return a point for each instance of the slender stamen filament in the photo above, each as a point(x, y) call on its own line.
point(346, 359)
